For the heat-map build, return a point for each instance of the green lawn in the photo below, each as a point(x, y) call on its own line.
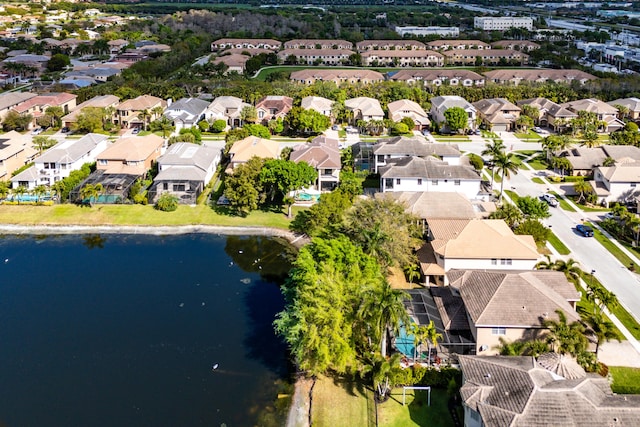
point(558, 245)
point(451, 138)
point(526, 153)
point(537, 180)
point(529, 136)
point(625, 380)
point(69, 214)
point(340, 403)
point(416, 412)
point(538, 163)
point(513, 195)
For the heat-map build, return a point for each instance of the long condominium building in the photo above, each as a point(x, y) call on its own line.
point(501, 23)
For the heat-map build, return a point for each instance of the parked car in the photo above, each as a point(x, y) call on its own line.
point(585, 230)
point(222, 200)
point(37, 131)
point(334, 127)
point(550, 199)
point(539, 130)
point(426, 132)
point(65, 129)
point(135, 131)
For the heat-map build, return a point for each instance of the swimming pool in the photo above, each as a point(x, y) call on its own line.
point(306, 197)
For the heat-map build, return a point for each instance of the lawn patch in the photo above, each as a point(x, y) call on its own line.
point(625, 380)
point(416, 412)
point(340, 402)
point(612, 248)
point(512, 195)
point(538, 180)
point(529, 136)
point(558, 245)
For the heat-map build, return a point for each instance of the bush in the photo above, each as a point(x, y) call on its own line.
point(218, 126)
point(476, 161)
point(427, 376)
point(167, 203)
point(203, 125)
point(536, 229)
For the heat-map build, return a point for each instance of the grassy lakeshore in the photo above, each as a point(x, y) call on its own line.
point(68, 214)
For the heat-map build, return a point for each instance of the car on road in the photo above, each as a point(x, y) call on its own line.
point(334, 127)
point(611, 215)
point(550, 199)
point(585, 230)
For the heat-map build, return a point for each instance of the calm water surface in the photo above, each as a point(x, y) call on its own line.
point(124, 331)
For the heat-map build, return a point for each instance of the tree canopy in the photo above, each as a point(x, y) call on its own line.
point(457, 119)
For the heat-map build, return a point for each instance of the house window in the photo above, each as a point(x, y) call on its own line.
point(633, 184)
point(498, 331)
point(456, 182)
point(494, 261)
point(507, 261)
point(178, 187)
point(327, 172)
point(434, 182)
point(103, 162)
point(398, 181)
point(388, 182)
point(419, 181)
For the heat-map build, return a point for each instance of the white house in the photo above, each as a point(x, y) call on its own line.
point(440, 104)
point(186, 112)
point(58, 161)
point(364, 108)
point(402, 146)
point(617, 183)
point(430, 174)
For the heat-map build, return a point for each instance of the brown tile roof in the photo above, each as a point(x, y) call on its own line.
point(418, 53)
point(515, 298)
point(143, 102)
point(440, 43)
point(414, 146)
point(320, 155)
point(323, 74)
point(52, 99)
point(251, 146)
point(430, 75)
point(131, 149)
point(592, 105)
point(431, 205)
point(370, 44)
point(538, 74)
point(547, 106)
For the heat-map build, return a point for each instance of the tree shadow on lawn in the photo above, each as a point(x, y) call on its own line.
point(355, 387)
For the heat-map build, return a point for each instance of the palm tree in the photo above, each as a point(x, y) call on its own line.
point(582, 188)
point(382, 309)
point(569, 268)
point(545, 265)
point(157, 111)
point(509, 213)
point(514, 348)
point(603, 329)
point(164, 124)
point(506, 164)
point(39, 191)
point(493, 150)
point(58, 189)
point(412, 272)
point(91, 192)
point(566, 338)
point(382, 369)
point(19, 191)
point(144, 115)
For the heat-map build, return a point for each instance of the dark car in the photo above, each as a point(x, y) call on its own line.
point(585, 230)
point(65, 129)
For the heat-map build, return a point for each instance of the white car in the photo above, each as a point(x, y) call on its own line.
point(550, 199)
point(37, 131)
point(539, 130)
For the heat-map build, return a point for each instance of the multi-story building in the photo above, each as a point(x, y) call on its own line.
point(502, 23)
point(428, 31)
point(310, 76)
point(245, 43)
point(458, 44)
point(389, 45)
point(318, 44)
point(450, 77)
point(316, 56)
point(485, 57)
point(402, 58)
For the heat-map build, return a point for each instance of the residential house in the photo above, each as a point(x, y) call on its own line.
point(318, 44)
point(429, 174)
point(235, 62)
point(515, 76)
point(128, 113)
point(367, 45)
point(407, 108)
point(399, 147)
point(57, 162)
point(37, 106)
point(550, 113)
point(485, 57)
point(227, 108)
point(441, 45)
point(227, 43)
point(363, 108)
point(509, 305)
point(97, 73)
point(116, 46)
point(310, 76)
point(186, 112)
point(617, 183)
point(604, 112)
point(521, 45)
point(273, 107)
point(316, 56)
point(37, 63)
point(497, 114)
point(10, 100)
point(322, 154)
point(440, 104)
point(632, 106)
point(522, 391)
point(402, 58)
point(487, 244)
point(322, 105)
point(184, 170)
point(439, 77)
point(15, 152)
point(101, 101)
point(584, 160)
point(133, 155)
point(437, 205)
point(252, 146)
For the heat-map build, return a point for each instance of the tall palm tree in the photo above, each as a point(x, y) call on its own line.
point(570, 269)
point(506, 165)
point(157, 111)
point(20, 191)
point(144, 115)
point(39, 191)
point(603, 329)
point(385, 310)
point(582, 188)
point(91, 192)
point(566, 338)
point(493, 150)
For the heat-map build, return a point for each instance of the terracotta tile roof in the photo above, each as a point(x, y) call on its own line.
point(432, 205)
point(325, 74)
point(539, 74)
point(143, 102)
point(52, 99)
point(430, 75)
point(245, 149)
point(414, 146)
point(320, 155)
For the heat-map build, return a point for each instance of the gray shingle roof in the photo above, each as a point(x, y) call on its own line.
point(69, 151)
point(8, 100)
point(186, 109)
point(429, 168)
point(414, 146)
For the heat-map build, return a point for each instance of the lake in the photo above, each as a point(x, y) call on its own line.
point(106, 330)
